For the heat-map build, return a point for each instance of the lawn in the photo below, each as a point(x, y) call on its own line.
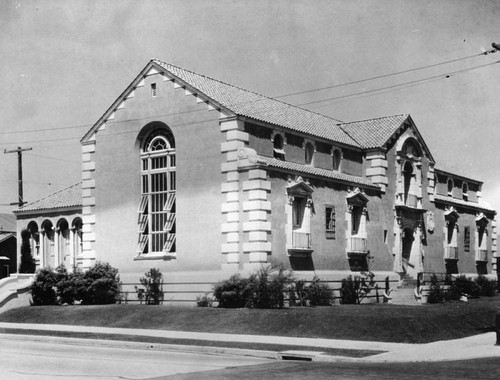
point(377, 322)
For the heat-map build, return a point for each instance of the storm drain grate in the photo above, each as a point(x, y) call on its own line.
point(299, 355)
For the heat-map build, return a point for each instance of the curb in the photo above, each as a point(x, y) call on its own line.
point(144, 346)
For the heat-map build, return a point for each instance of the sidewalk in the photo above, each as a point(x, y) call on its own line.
point(478, 346)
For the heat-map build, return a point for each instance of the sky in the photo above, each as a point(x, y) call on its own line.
point(64, 62)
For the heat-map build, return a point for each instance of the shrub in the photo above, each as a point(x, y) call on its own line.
point(153, 287)
point(268, 288)
point(28, 264)
point(204, 301)
point(236, 292)
point(436, 293)
point(467, 286)
point(43, 289)
point(349, 289)
point(319, 294)
point(354, 289)
point(486, 286)
point(67, 285)
point(298, 295)
point(99, 285)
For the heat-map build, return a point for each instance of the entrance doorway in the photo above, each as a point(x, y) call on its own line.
point(408, 239)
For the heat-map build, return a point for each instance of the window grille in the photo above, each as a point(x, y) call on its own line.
point(330, 221)
point(157, 213)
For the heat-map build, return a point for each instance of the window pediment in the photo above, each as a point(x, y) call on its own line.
point(356, 197)
point(299, 188)
point(451, 214)
point(481, 219)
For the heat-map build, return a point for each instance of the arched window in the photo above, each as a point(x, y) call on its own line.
point(449, 185)
point(336, 159)
point(158, 185)
point(410, 198)
point(309, 153)
point(76, 228)
point(34, 238)
point(48, 244)
point(465, 192)
point(411, 148)
point(279, 145)
point(63, 241)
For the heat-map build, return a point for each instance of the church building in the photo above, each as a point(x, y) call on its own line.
point(202, 179)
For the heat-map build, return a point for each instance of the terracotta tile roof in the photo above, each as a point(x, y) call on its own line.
point(306, 169)
point(482, 206)
point(255, 106)
point(374, 133)
point(68, 197)
point(7, 223)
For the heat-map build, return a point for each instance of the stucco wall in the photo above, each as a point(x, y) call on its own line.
point(198, 180)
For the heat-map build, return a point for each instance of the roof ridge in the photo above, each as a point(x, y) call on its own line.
point(374, 118)
point(244, 89)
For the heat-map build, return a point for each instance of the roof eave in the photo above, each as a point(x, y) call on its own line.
point(266, 166)
point(298, 133)
point(43, 211)
point(468, 206)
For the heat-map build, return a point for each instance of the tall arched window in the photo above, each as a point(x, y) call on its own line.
point(408, 183)
point(76, 228)
point(157, 207)
point(34, 238)
point(309, 153)
point(48, 244)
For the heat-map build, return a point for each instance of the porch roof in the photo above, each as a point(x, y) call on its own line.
point(68, 197)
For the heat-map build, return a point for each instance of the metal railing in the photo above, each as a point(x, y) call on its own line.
point(172, 292)
point(411, 200)
point(482, 255)
point(451, 253)
point(356, 244)
point(301, 240)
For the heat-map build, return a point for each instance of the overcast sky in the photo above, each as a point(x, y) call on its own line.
point(64, 62)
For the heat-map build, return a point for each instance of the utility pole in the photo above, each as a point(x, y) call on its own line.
point(19, 152)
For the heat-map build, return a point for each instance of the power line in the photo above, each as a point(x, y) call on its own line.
point(423, 80)
point(53, 158)
point(385, 75)
point(366, 95)
point(441, 76)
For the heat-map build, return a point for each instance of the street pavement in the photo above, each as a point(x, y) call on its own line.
point(22, 357)
point(478, 346)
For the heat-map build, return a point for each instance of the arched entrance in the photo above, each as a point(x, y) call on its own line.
point(48, 244)
point(407, 243)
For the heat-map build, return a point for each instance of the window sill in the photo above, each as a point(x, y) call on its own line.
point(155, 256)
point(299, 252)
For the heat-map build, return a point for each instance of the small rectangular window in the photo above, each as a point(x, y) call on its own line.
point(153, 89)
point(466, 238)
point(330, 221)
